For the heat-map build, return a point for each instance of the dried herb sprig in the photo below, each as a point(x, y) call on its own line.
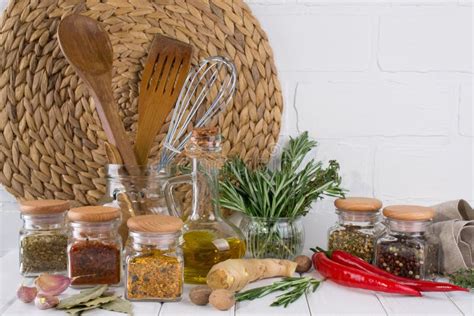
point(296, 286)
point(463, 277)
point(287, 191)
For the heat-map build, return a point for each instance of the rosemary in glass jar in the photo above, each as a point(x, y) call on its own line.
point(43, 237)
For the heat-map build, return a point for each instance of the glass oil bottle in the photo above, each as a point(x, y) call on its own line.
point(208, 238)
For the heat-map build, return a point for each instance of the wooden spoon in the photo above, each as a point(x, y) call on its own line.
point(86, 45)
point(165, 72)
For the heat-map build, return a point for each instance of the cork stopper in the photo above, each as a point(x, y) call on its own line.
point(43, 207)
point(409, 212)
point(155, 224)
point(93, 214)
point(358, 204)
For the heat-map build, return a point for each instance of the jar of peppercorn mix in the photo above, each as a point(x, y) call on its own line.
point(94, 246)
point(43, 237)
point(407, 249)
point(154, 264)
point(357, 228)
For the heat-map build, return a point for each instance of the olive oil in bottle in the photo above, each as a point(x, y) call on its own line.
point(202, 249)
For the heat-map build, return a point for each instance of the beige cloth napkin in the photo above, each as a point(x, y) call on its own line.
point(454, 225)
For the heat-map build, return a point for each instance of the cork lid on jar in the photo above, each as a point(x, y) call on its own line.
point(155, 224)
point(358, 204)
point(93, 214)
point(409, 212)
point(43, 207)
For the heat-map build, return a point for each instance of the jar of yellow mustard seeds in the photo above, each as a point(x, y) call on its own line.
point(154, 264)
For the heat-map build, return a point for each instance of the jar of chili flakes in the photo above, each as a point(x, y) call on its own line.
point(407, 249)
point(154, 264)
point(357, 228)
point(43, 237)
point(95, 246)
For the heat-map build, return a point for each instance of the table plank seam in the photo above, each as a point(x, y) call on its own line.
point(381, 304)
point(7, 305)
point(161, 308)
point(455, 304)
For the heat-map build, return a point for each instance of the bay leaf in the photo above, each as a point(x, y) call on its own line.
point(82, 297)
point(78, 310)
point(118, 305)
point(100, 300)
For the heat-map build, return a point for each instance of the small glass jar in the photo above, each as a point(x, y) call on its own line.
point(407, 249)
point(94, 246)
point(154, 264)
point(281, 238)
point(139, 194)
point(357, 228)
point(43, 237)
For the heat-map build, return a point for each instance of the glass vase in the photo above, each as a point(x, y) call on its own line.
point(281, 238)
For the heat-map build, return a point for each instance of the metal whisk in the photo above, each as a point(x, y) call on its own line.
point(211, 83)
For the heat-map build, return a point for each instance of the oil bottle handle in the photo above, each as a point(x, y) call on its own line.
point(168, 190)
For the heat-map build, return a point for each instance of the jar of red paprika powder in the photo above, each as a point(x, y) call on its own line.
point(94, 246)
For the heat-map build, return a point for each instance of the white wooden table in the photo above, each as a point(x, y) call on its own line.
point(329, 299)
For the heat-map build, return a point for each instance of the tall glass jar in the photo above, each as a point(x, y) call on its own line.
point(135, 194)
point(154, 264)
point(357, 228)
point(94, 246)
point(208, 238)
point(407, 249)
point(43, 237)
point(281, 238)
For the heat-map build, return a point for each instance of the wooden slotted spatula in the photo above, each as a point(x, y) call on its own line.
point(87, 47)
point(165, 72)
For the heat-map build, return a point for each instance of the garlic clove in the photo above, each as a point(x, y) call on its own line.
point(52, 284)
point(43, 301)
point(26, 294)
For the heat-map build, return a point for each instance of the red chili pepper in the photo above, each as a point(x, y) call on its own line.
point(347, 259)
point(352, 277)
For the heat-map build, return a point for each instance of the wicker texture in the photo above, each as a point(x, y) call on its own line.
point(51, 141)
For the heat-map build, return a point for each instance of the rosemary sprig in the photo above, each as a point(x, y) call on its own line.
point(287, 191)
point(463, 277)
point(296, 286)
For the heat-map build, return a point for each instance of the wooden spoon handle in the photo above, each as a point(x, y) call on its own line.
point(111, 120)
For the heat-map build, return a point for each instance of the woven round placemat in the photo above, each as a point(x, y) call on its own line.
point(51, 140)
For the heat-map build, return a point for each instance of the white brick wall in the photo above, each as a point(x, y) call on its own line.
point(385, 86)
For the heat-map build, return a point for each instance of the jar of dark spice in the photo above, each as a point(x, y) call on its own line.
point(357, 228)
point(43, 237)
point(154, 265)
point(95, 246)
point(407, 249)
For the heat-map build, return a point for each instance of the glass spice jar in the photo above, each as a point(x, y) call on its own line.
point(154, 264)
point(407, 249)
point(43, 237)
point(94, 246)
point(357, 228)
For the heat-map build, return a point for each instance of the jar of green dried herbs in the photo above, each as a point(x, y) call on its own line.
point(357, 228)
point(43, 237)
point(407, 249)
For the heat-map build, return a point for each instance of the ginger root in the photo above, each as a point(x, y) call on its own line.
point(235, 274)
